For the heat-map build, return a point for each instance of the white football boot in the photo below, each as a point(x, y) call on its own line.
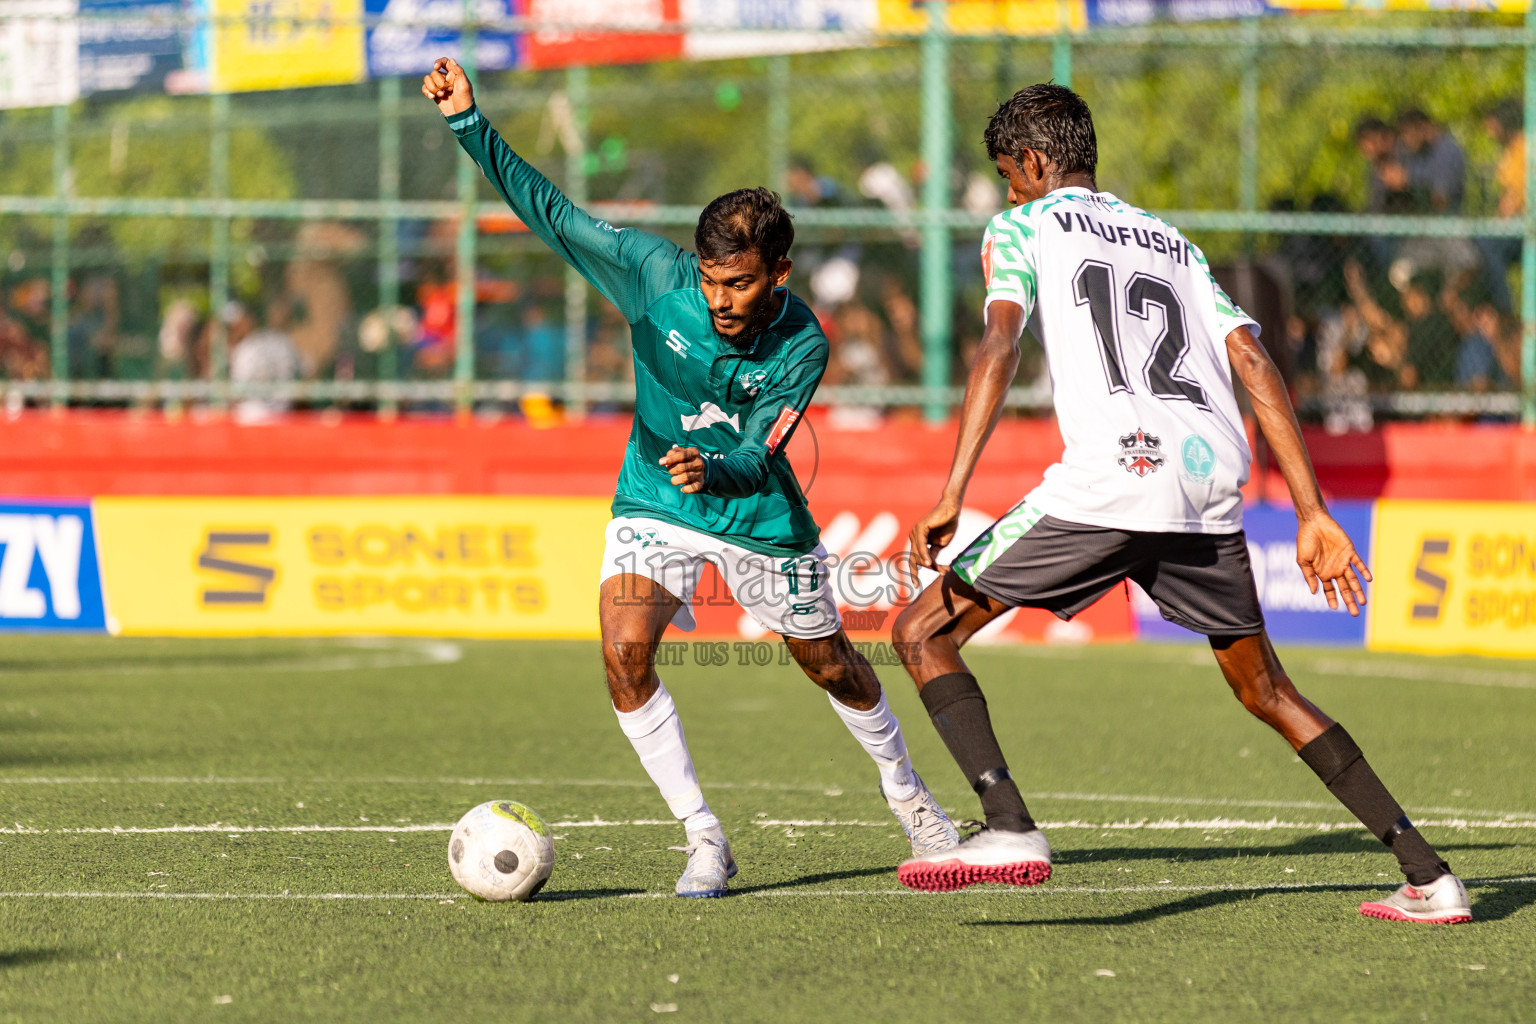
point(710, 864)
point(1443, 901)
point(991, 855)
point(928, 828)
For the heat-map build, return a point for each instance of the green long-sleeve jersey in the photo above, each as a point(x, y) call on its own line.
point(737, 406)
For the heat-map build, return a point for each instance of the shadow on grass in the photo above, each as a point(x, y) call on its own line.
point(1312, 845)
point(584, 894)
point(1509, 895)
point(804, 880)
point(28, 957)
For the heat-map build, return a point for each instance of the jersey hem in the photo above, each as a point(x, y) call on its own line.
point(623, 505)
point(1140, 525)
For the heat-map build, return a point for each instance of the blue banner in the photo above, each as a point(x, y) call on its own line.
point(1146, 12)
point(50, 578)
point(128, 45)
point(1291, 614)
point(396, 48)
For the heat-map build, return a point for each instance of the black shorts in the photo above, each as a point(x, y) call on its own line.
point(1201, 581)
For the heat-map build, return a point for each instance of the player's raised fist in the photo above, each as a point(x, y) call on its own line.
point(448, 86)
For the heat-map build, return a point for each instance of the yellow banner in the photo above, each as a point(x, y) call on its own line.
point(450, 566)
point(1454, 577)
point(285, 44)
point(986, 17)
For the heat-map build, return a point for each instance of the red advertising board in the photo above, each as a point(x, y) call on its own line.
point(570, 45)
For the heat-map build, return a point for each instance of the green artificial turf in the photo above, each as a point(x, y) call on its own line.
point(1193, 880)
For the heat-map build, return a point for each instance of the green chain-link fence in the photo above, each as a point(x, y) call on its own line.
point(329, 247)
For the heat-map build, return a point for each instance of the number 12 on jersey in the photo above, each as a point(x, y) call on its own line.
point(1094, 286)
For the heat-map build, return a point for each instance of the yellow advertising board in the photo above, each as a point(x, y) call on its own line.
point(440, 566)
point(1454, 577)
point(286, 44)
point(986, 17)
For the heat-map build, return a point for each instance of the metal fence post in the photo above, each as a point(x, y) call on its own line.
point(1528, 248)
point(577, 82)
point(935, 298)
point(218, 264)
point(778, 121)
point(1248, 163)
point(468, 190)
point(389, 237)
point(1061, 46)
point(58, 311)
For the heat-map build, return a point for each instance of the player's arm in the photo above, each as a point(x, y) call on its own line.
point(764, 436)
point(618, 263)
point(1323, 550)
point(986, 387)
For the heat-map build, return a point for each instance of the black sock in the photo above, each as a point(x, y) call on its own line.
point(1337, 760)
point(959, 713)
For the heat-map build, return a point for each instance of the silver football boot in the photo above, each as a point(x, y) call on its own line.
point(710, 865)
point(928, 828)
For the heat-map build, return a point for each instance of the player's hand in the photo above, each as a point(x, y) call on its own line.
point(933, 532)
point(1327, 557)
point(687, 468)
point(448, 86)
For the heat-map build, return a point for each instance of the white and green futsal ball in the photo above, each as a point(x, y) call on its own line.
point(501, 850)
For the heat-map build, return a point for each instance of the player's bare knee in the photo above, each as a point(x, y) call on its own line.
point(912, 627)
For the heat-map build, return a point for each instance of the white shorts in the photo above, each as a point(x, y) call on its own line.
point(789, 595)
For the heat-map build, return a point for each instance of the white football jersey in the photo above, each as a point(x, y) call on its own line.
point(1134, 329)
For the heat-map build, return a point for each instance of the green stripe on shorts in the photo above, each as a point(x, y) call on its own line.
point(997, 538)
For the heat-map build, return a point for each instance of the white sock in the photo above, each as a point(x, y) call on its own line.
point(879, 734)
point(656, 733)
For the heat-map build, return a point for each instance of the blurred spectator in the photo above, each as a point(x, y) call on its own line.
point(22, 357)
point(1387, 186)
point(858, 356)
point(178, 334)
point(1505, 125)
point(266, 356)
point(314, 280)
point(1477, 355)
point(1421, 347)
point(540, 353)
point(902, 314)
point(885, 184)
point(433, 344)
point(609, 355)
point(1342, 337)
point(1434, 162)
point(93, 322)
point(803, 187)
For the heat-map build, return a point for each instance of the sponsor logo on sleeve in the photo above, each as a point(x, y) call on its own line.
point(1141, 453)
point(781, 427)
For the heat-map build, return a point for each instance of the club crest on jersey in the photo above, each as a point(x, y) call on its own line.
point(1141, 453)
point(752, 381)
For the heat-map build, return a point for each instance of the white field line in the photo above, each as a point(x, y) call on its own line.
point(371, 653)
point(1164, 824)
point(1031, 893)
point(825, 790)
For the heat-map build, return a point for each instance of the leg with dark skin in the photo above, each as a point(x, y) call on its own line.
point(932, 629)
point(1257, 679)
point(633, 612)
point(930, 633)
point(1254, 673)
point(833, 664)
